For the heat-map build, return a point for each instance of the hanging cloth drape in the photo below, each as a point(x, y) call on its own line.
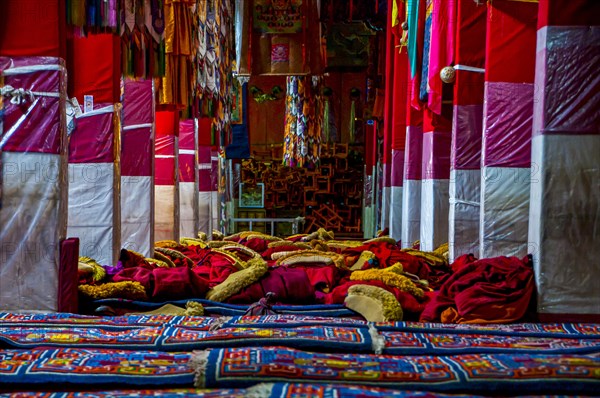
point(302, 137)
point(426, 52)
point(175, 88)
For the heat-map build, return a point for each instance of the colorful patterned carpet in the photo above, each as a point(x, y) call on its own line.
point(77, 353)
point(481, 373)
point(262, 390)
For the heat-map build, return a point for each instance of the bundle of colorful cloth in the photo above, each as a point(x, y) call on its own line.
point(374, 278)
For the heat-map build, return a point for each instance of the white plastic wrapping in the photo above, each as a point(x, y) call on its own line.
point(204, 212)
point(434, 213)
point(564, 222)
point(368, 213)
point(504, 211)
point(137, 213)
point(166, 193)
point(94, 187)
point(564, 228)
point(463, 230)
point(188, 209)
point(188, 178)
point(411, 212)
point(33, 209)
point(92, 212)
point(207, 198)
point(396, 180)
point(164, 213)
point(396, 213)
point(386, 192)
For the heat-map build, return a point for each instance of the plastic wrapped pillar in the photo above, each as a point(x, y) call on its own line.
point(398, 141)
point(166, 177)
point(369, 188)
point(94, 183)
point(507, 124)
point(33, 184)
point(467, 124)
point(188, 178)
point(411, 187)
point(436, 180)
point(205, 190)
point(564, 221)
point(137, 167)
point(390, 60)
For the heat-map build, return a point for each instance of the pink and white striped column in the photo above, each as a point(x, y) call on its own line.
point(437, 134)
point(467, 123)
point(564, 221)
point(33, 184)
point(166, 177)
point(398, 142)
point(137, 167)
point(390, 58)
point(188, 178)
point(207, 198)
point(411, 187)
point(95, 182)
point(507, 123)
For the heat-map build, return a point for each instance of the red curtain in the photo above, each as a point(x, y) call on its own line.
point(32, 28)
point(94, 64)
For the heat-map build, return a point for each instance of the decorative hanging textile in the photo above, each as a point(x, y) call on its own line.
point(97, 16)
point(426, 52)
point(142, 28)
point(213, 60)
point(176, 88)
point(412, 17)
point(442, 49)
point(303, 120)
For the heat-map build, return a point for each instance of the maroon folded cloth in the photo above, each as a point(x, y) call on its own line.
point(289, 285)
point(178, 283)
point(142, 275)
point(257, 244)
point(322, 277)
point(491, 290)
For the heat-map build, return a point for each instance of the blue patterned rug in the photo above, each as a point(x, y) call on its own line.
point(173, 338)
point(262, 390)
point(475, 373)
point(569, 330)
point(106, 322)
point(79, 366)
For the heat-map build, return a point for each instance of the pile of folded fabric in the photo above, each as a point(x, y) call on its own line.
point(374, 278)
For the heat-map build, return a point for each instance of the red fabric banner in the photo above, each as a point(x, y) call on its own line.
point(94, 64)
point(569, 13)
point(511, 42)
point(32, 28)
point(167, 123)
point(470, 52)
point(399, 97)
point(441, 54)
point(389, 87)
